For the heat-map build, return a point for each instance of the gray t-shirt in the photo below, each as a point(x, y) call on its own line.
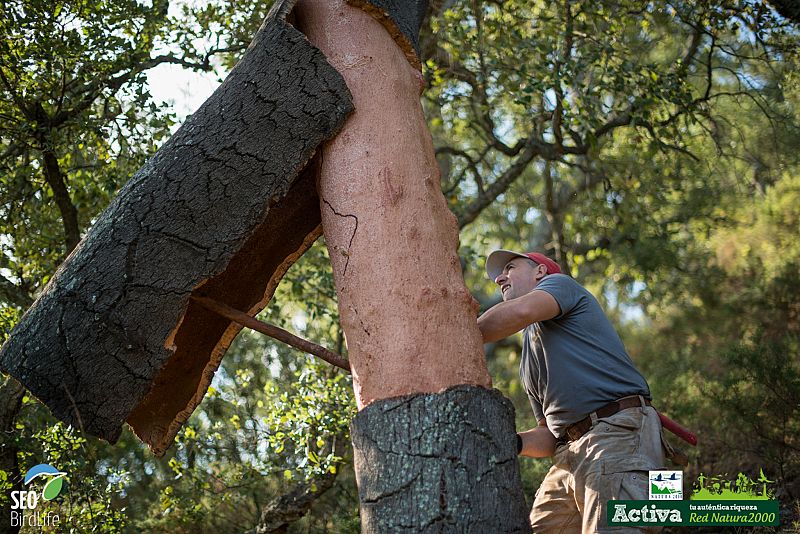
point(575, 363)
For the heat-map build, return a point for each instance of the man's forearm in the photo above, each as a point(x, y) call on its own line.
point(511, 316)
point(500, 321)
point(538, 442)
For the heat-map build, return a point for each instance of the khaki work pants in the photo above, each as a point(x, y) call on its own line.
point(611, 461)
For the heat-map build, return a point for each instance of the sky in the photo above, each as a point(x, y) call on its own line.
point(183, 89)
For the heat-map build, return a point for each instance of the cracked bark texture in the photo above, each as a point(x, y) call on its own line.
point(409, 320)
point(222, 210)
point(442, 462)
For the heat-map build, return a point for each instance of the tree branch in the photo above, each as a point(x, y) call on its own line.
point(562, 59)
point(293, 505)
point(625, 117)
point(566, 194)
point(472, 165)
point(14, 294)
point(69, 213)
point(499, 186)
point(273, 331)
point(91, 91)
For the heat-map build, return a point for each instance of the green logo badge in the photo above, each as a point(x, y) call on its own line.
point(716, 488)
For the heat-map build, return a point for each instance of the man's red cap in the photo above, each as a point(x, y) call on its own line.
point(498, 259)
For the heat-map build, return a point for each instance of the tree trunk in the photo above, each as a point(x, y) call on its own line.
point(555, 217)
point(292, 506)
point(11, 394)
point(69, 213)
point(222, 210)
point(428, 457)
point(442, 462)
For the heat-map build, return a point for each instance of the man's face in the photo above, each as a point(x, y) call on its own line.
point(520, 276)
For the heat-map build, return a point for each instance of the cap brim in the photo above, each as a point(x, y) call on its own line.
point(497, 261)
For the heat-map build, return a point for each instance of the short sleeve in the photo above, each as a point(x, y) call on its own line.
point(537, 408)
point(567, 292)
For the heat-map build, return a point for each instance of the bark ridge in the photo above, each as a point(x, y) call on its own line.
point(221, 210)
point(443, 462)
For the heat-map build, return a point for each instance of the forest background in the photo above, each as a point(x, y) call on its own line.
point(652, 148)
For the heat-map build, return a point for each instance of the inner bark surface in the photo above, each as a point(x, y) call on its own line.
point(182, 383)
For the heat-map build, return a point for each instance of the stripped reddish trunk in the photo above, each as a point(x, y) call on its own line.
point(410, 322)
point(408, 317)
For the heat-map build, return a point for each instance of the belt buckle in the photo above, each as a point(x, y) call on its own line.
point(573, 433)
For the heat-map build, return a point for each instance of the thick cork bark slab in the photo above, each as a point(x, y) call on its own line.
point(222, 210)
point(439, 463)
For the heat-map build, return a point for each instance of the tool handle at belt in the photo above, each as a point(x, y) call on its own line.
point(682, 432)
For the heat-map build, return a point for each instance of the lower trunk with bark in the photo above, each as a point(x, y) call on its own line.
point(439, 462)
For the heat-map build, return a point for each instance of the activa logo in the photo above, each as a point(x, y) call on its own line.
point(28, 499)
point(652, 514)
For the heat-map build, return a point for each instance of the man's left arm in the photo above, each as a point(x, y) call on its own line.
point(509, 317)
point(538, 442)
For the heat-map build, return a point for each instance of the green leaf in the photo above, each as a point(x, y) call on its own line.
point(52, 488)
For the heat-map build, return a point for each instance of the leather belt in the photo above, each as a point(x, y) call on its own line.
point(577, 430)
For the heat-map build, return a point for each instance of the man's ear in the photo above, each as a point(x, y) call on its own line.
point(541, 271)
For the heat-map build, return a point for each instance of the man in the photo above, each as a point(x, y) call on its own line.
point(592, 405)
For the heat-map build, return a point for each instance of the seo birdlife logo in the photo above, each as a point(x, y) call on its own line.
point(28, 499)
